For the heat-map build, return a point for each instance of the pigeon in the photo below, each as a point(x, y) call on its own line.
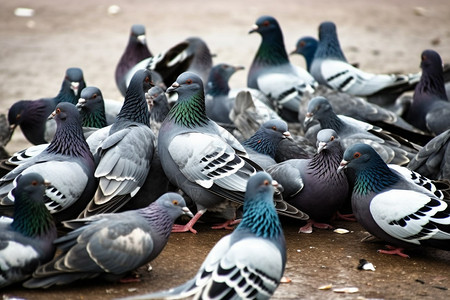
point(27, 240)
point(430, 106)
point(330, 68)
point(203, 159)
point(313, 185)
point(135, 51)
point(125, 154)
point(191, 54)
point(67, 163)
point(272, 73)
point(392, 148)
point(92, 110)
point(158, 106)
point(263, 145)
point(31, 115)
point(217, 100)
point(5, 135)
point(433, 160)
point(110, 246)
point(392, 208)
point(247, 264)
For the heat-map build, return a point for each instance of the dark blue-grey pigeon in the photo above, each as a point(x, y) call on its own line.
point(391, 147)
point(27, 240)
point(158, 106)
point(203, 159)
point(110, 246)
point(313, 185)
point(247, 264)
point(272, 73)
point(393, 208)
point(124, 155)
point(433, 160)
point(430, 107)
point(32, 115)
point(330, 68)
point(66, 162)
point(91, 106)
point(135, 51)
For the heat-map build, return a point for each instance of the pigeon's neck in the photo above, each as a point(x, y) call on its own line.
point(189, 112)
point(261, 143)
point(32, 218)
point(271, 51)
point(134, 107)
point(160, 221)
point(432, 82)
point(66, 94)
point(69, 140)
point(95, 119)
point(324, 164)
point(374, 179)
point(260, 218)
point(332, 121)
point(329, 47)
point(158, 114)
point(217, 86)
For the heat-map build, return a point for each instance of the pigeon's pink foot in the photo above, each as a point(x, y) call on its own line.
point(394, 251)
point(229, 225)
point(189, 225)
point(345, 217)
point(308, 228)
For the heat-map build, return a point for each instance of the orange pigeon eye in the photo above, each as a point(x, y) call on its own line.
point(266, 23)
point(58, 110)
point(175, 202)
point(332, 138)
point(189, 81)
point(34, 182)
point(266, 182)
point(356, 155)
point(274, 128)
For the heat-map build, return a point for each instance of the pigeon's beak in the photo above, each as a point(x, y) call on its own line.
point(47, 183)
point(342, 165)
point(141, 39)
point(237, 68)
point(287, 135)
point(74, 86)
point(186, 211)
point(173, 87)
point(254, 28)
point(293, 52)
point(81, 102)
point(308, 119)
point(322, 145)
point(12, 127)
point(52, 115)
point(150, 101)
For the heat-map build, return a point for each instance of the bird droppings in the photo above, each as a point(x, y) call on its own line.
point(341, 230)
point(365, 265)
point(113, 10)
point(346, 290)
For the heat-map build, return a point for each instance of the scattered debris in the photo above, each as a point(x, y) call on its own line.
point(365, 265)
point(325, 287)
point(341, 231)
point(440, 287)
point(346, 290)
point(24, 12)
point(420, 281)
point(132, 290)
point(420, 11)
point(113, 10)
point(285, 279)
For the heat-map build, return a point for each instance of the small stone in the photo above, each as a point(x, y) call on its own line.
point(113, 10)
point(346, 290)
point(285, 279)
point(341, 231)
point(420, 11)
point(132, 290)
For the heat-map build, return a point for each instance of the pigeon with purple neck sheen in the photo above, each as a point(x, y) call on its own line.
point(430, 107)
point(313, 185)
point(124, 155)
point(66, 162)
point(392, 207)
point(111, 246)
point(202, 158)
point(27, 240)
point(246, 264)
point(272, 73)
point(135, 51)
point(32, 115)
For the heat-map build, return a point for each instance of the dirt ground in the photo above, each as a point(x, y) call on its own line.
point(382, 36)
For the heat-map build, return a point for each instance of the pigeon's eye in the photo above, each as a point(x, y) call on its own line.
point(189, 81)
point(274, 128)
point(147, 79)
point(175, 202)
point(424, 57)
point(225, 66)
point(266, 23)
point(58, 110)
point(302, 44)
point(356, 155)
point(94, 96)
point(34, 182)
point(332, 138)
point(266, 182)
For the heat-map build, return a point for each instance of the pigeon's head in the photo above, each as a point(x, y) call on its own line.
point(223, 72)
point(326, 138)
point(174, 204)
point(138, 33)
point(357, 157)
point(91, 99)
point(306, 46)
point(318, 107)
point(157, 102)
point(32, 185)
point(327, 29)
point(15, 114)
point(265, 24)
point(430, 60)
point(64, 112)
point(260, 183)
point(187, 83)
point(276, 129)
point(141, 81)
point(75, 80)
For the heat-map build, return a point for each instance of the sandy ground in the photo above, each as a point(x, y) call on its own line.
point(382, 36)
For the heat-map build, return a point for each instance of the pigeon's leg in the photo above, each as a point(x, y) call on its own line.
point(308, 228)
point(345, 217)
point(190, 224)
point(229, 224)
point(394, 251)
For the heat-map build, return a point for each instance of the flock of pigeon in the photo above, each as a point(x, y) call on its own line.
point(107, 182)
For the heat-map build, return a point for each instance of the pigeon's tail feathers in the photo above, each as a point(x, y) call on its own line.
point(180, 292)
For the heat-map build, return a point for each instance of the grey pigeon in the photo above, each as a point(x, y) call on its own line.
point(201, 158)
point(27, 240)
point(67, 163)
point(272, 73)
point(392, 148)
point(430, 108)
point(433, 160)
point(110, 246)
point(313, 185)
point(393, 208)
point(330, 68)
point(158, 106)
point(135, 51)
point(5, 135)
point(124, 156)
point(32, 115)
point(248, 263)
